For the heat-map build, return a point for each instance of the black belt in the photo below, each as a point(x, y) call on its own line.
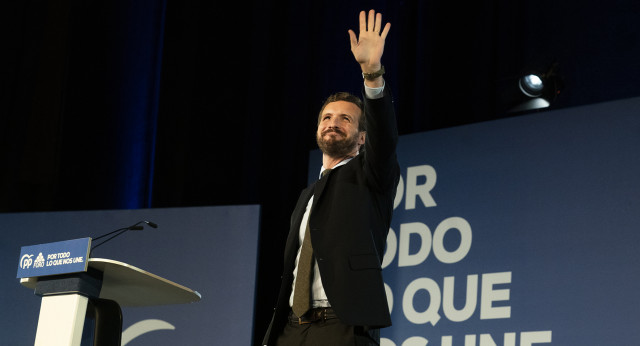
point(313, 315)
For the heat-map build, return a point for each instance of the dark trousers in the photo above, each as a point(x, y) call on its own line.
point(330, 332)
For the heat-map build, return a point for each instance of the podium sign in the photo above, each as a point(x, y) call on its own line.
point(63, 257)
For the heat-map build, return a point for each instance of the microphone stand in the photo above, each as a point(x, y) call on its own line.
point(120, 231)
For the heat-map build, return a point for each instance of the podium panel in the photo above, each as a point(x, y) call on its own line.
point(61, 320)
point(64, 301)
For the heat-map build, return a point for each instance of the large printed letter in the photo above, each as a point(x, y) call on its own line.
point(431, 313)
point(406, 259)
point(489, 295)
point(470, 305)
point(464, 228)
point(413, 189)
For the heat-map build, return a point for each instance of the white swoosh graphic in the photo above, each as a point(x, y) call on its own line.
point(143, 327)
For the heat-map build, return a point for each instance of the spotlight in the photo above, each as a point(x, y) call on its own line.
point(535, 90)
point(531, 85)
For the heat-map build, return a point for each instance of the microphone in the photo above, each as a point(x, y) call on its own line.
point(151, 224)
point(138, 226)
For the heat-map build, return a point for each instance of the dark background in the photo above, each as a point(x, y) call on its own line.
point(151, 104)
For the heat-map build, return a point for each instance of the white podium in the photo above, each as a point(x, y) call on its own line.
point(70, 299)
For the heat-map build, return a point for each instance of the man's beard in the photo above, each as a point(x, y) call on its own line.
point(337, 147)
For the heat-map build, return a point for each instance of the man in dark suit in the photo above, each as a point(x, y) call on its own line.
point(332, 290)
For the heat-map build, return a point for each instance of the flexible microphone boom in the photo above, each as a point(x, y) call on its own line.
point(135, 227)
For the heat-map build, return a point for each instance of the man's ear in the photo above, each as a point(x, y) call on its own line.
point(362, 136)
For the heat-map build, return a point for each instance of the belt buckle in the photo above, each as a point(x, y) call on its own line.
point(301, 322)
point(314, 315)
point(306, 320)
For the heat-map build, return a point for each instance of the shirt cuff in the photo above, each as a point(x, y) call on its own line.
point(373, 93)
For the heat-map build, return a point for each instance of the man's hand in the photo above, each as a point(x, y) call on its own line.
point(368, 47)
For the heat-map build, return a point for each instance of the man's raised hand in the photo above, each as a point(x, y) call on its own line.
point(368, 47)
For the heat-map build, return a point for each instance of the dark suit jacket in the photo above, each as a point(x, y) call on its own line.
point(349, 222)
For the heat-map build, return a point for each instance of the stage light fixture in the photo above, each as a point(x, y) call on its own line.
point(531, 85)
point(534, 90)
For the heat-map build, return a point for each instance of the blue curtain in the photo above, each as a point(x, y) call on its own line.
point(113, 84)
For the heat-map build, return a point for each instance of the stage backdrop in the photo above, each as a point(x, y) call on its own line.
point(212, 250)
point(522, 231)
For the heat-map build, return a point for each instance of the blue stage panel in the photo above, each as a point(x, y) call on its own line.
point(212, 250)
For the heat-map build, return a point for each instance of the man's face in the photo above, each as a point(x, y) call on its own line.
point(337, 134)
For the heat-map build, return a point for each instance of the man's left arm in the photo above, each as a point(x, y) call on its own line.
point(381, 161)
point(382, 135)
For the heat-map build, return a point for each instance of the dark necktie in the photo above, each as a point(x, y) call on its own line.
point(302, 290)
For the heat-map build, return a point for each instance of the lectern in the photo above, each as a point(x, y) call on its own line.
point(69, 300)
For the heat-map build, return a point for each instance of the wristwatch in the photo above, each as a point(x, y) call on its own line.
point(373, 75)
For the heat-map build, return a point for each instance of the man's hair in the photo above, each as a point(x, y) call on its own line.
point(345, 96)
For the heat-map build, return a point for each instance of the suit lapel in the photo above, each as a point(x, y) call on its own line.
point(318, 189)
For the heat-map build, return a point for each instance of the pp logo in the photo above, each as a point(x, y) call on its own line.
point(39, 263)
point(26, 261)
